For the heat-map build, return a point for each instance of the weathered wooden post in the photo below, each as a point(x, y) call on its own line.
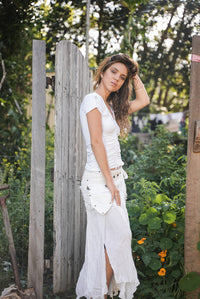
point(8, 230)
point(37, 198)
point(192, 215)
point(72, 82)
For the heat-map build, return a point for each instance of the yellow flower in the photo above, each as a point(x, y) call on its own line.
point(141, 241)
point(163, 253)
point(162, 259)
point(162, 272)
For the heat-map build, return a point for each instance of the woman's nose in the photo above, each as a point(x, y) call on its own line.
point(117, 77)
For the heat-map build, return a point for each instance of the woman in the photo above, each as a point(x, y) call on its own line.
point(108, 267)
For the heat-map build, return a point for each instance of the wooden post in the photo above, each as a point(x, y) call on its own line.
point(72, 82)
point(37, 198)
point(8, 230)
point(192, 215)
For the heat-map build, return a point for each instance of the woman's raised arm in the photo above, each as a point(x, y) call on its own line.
point(142, 98)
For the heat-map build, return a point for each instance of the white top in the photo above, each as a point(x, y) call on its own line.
point(110, 132)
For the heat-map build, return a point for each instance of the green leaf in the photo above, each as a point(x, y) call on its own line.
point(190, 282)
point(133, 210)
point(143, 219)
point(10, 112)
point(152, 212)
point(154, 223)
point(169, 217)
point(198, 245)
point(175, 258)
point(140, 273)
point(166, 207)
point(146, 259)
point(176, 273)
point(13, 129)
point(165, 243)
point(155, 264)
point(2, 100)
point(159, 198)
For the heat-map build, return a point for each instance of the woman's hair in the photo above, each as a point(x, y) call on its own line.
point(119, 100)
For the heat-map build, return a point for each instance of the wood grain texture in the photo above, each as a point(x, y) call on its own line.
point(72, 84)
point(37, 198)
point(192, 214)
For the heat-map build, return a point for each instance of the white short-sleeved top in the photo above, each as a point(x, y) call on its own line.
point(110, 132)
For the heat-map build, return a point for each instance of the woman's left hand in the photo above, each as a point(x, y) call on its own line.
point(114, 192)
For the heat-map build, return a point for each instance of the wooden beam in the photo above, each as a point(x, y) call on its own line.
point(37, 198)
point(192, 214)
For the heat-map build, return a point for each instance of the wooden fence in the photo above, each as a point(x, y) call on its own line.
point(72, 82)
point(37, 203)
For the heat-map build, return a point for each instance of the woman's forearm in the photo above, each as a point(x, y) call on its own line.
point(142, 98)
point(140, 90)
point(101, 157)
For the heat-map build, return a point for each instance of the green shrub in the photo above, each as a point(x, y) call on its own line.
point(157, 223)
point(156, 199)
point(158, 159)
point(15, 171)
point(156, 206)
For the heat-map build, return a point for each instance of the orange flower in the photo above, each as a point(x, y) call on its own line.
point(162, 272)
point(163, 253)
point(174, 224)
point(162, 259)
point(141, 241)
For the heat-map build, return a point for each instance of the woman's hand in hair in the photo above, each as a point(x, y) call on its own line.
point(135, 68)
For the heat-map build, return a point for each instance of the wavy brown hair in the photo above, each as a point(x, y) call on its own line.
point(119, 100)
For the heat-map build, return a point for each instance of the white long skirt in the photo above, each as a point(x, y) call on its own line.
point(108, 230)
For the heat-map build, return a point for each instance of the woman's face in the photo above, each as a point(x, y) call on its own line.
point(114, 77)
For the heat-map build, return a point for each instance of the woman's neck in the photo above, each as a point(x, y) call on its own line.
point(103, 92)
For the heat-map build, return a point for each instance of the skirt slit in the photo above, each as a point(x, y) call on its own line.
point(111, 232)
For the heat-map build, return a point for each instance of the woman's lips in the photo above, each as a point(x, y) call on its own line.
point(113, 84)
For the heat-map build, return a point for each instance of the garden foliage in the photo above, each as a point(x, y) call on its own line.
point(15, 170)
point(156, 205)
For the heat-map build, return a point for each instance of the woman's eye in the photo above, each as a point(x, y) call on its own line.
point(113, 71)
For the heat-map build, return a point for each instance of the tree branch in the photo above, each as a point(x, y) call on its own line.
point(4, 73)
point(166, 97)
